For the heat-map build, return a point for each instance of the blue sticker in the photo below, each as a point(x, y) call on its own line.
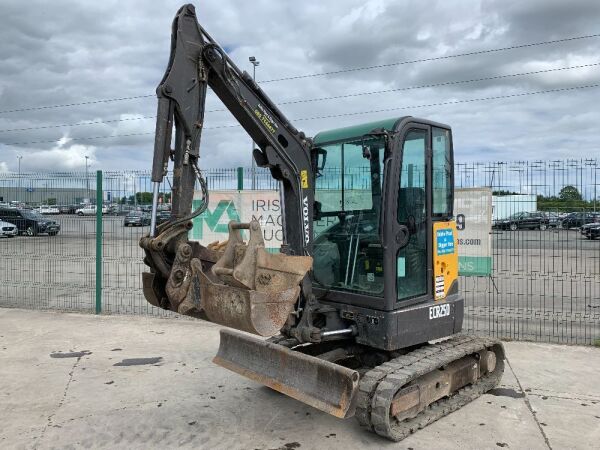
point(445, 241)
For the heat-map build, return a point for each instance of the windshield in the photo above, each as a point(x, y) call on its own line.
point(32, 214)
point(348, 254)
point(350, 179)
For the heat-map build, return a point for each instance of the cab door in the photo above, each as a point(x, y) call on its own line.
point(409, 218)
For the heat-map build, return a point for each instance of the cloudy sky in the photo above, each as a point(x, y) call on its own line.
point(65, 52)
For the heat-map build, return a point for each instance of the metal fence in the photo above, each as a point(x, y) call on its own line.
point(544, 285)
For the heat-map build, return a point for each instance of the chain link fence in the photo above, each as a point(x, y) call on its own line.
point(544, 284)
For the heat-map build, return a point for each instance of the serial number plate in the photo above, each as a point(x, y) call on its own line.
point(437, 311)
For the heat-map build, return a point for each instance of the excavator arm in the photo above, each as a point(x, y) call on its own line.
point(197, 63)
point(238, 284)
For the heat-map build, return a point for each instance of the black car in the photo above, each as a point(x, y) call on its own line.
point(523, 220)
point(29, 222)
point(162, 217)
point(590, 230)
point(136, 219)
point(553, 219)
point(578, 219)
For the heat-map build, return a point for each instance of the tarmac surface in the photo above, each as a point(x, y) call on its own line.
point(82, 381)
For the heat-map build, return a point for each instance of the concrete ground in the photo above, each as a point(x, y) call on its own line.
point(72, 381)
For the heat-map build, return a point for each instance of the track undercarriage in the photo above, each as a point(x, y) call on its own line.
point(392, 394)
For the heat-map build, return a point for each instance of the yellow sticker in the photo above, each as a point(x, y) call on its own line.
point(304, 178)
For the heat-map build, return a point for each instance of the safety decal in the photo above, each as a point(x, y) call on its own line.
point(444, 241)
point(304, 178)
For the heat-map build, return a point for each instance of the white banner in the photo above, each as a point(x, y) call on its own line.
point(241, 206)
point(473, 212)
point(472, 207)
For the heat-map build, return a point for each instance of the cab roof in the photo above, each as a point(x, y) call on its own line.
point(355, 131)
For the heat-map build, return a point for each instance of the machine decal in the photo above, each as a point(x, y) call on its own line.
point(444, 241)
point(306, 220)
point(304, 178)
point(445, 258)
point(265, 118)
point(437, 311)
point(440, 287)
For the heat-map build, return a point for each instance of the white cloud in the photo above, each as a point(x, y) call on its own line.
point(3, 167)
point(63, 156)
point(71, 52)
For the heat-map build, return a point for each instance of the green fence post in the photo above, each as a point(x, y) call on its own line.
point(240, 177)
point(99, 201)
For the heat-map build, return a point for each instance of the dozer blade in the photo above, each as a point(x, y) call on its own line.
point(316, 382)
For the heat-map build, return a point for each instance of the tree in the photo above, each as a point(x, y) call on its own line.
point(569, 193)
point(143, 198)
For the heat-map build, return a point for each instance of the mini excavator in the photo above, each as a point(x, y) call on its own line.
point(359, 313)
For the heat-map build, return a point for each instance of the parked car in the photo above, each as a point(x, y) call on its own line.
point(136, 219)
point(68, 209)
point(578, 219)
point(520, 220)
point(112, 210)
point(8, 229)
point(29, 222)
point(90, 210)
point(590, 230)
point(162, 217)
point(553, 219)
point(47, 209)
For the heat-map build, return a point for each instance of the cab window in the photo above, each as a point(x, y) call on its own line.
point(442, 172)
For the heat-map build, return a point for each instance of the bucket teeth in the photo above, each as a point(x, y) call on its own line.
point(234, 283)
point(250, 289)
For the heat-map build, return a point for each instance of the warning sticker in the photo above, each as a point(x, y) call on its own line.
point(304, 178)
point(440, 286)
point(444, 241)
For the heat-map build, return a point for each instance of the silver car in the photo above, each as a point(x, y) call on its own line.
point(8, 229)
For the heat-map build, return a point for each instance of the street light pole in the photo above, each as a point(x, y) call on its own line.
point(19, 192)
point(255, 63)
point(87, 180)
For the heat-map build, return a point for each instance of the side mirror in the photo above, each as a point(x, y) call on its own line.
point(366, 152)
point(319, 159)
point(317, 210)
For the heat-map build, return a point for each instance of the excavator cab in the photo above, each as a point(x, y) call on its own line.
point(383, 189)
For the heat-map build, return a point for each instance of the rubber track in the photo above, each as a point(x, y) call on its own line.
point(378, 386)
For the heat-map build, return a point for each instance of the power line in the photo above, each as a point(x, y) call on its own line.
point(434, 58)
point(452, 102)
point(296, 77)
point(66, 105)
point(336, 97)
point(96, 122)
point(423, 86)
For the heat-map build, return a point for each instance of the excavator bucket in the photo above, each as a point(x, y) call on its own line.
point(234, 283)
point(316, 382)
point(250, 289)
